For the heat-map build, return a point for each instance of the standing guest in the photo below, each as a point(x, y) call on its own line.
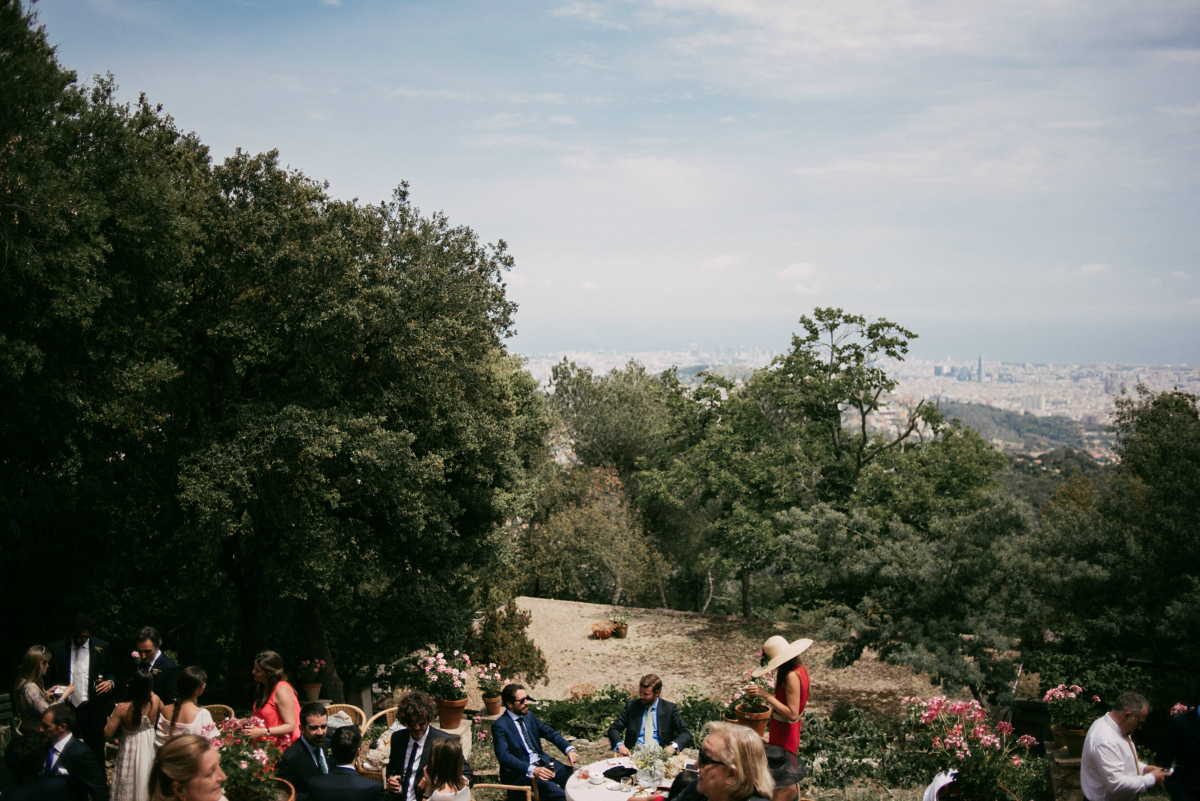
point(732, 767)
point(649, 718)
point(85, 663)
point(307, 757)
point(188, 768)
point(1110, 770)
point(186, 716)
point(444, 779)
point(30, 694)
point(133, 721)
point(792, 684)
point(343, 783)
point(517, 738)
point(411, 747)
point(26, 758)
point(277, 703)
point(70, 758)
point(1181, 746)
point(161, 667)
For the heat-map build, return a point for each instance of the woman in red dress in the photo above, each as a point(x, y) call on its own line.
point(276, 704)
point(792, 684)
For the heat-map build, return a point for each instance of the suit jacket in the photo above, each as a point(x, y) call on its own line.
point(344, 784)
point(671, 728)
point(1182, 747)
point(43, 788)
point(510, 750)
point(83, 771)
point(165, 674)
point(298, 767)
point(400, 741)
point(99, 667)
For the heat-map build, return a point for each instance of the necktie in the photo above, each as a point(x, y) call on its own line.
point(321, 760)
point(50, 761)
point(412, 757)
point(527, 735)
point(647, 728)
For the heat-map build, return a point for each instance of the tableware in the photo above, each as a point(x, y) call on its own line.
point(597, 779)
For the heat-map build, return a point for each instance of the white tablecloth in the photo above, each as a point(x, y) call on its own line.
point(578, 789)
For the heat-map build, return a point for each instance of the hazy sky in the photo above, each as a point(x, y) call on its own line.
point(1017, 179)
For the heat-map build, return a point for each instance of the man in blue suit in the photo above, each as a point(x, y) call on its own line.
point(666, 726)
point(343, 783)
point(517, 737)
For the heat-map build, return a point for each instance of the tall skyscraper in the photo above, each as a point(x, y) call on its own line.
point(981, 368)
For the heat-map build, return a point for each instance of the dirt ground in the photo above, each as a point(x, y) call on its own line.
point(708, 652)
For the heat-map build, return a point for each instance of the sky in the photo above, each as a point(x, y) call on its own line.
point(1018, 179)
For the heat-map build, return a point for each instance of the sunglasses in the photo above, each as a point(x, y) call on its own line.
point(705, 759)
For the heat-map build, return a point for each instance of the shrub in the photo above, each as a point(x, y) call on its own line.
point(586, 715)
point(501, 638)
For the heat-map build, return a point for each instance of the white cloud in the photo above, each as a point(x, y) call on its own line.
point(727, 119)
point(595, 13)
point(317, 116)
point(331, 2)
point(798, 276)
point(590, 286)
point(1179, 274)
point(517, 278)
point(438, 94)
point(1181, 111)
point(562, 119)
point(503, 121)
point(720, 263)
point(1095, 268)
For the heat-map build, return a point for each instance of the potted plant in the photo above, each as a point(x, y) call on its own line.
point(491, 684)
point(602, 630)
point(445, 678)
point(249, 764)
point(956, 736)
point(620, 621)
point(310, 672)
point(752, 710)
point(1071, 713)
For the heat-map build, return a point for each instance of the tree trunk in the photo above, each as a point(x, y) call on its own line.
point(318, 648)
point(248, 591)
point(745, 593)
point(708, 600)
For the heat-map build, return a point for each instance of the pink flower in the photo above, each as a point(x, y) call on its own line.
point(482, 736)
point(1016, 760)
point(1027, 740)
point(1178, 709)
point(243, 764)
point(1004, 728)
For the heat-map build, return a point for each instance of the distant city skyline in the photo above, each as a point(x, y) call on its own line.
point(1018, 179)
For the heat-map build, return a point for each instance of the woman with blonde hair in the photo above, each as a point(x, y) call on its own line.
point(444, 780)
point(732, 765)
point(187, 768)
point(277, 703)
point(30, 695)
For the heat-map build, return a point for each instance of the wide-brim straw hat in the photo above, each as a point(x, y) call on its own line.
point(778, 650)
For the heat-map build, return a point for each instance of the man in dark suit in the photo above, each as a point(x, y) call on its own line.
point(343, 783)
point(26, 758)
point(517, 737)
point(666, 726)
point(412, 745)
point(70, 758)
point(1181, 748)
point(86, 662)
point(307, 757)
point(161, 667)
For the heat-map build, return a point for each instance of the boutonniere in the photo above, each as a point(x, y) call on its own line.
point(99, 649)
point(155, 671)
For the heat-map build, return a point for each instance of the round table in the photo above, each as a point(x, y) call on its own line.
point(578, 789)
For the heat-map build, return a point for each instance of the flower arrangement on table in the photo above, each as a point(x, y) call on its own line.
point(311, 668)
point(248, 763)
point(491, 683)
point(445, 678)
point(650, 760)
point(1070, 708)
point(956, 736)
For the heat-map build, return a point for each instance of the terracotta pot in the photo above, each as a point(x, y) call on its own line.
point(755, 720)
point(602, 631)
point(730, 719)
point(284, 791)
point(955, 792)
point(1071, 738)
point(620, 631)
point(310, 691)
point(450, 713)
point(492, 705)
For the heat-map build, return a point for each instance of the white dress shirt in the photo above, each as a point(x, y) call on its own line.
point(1110, 770)
point(57, 748)
point(414, 759)
point(81, 662)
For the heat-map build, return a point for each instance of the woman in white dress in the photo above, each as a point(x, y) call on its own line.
point(444, 780)
point(133, 721)
point(186, 716)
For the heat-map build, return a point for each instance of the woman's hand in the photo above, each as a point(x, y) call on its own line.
point(254, 732)
point(754, 689)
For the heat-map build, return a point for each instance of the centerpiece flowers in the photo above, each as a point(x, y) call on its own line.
point(249, 764)
point(956, 736)
point(651, 763)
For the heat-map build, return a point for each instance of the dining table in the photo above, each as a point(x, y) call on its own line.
point(579, 788)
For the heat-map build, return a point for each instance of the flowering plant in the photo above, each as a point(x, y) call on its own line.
point(620, 618)
point(312, 667)
point(956, 735)
point(249, 764)
point(754, 703)
point(491, 683)
point(1070, 708)
point(445, 678)
point(650, 757)
point(1179, 709)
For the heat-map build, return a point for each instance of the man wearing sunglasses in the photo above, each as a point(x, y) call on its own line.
point(517, 737)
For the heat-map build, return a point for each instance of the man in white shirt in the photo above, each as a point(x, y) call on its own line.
point(1111, 770)
point(86, 662)
point(412, 745)
point(71, 758)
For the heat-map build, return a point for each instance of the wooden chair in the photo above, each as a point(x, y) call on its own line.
point(529, 789)
point(357, 716)
point(376, 775)
point(220, 713)
point(388, 716)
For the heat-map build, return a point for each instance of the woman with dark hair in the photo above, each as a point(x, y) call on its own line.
point(186, 716)
point(132, 720)
point(30, 695)
point(277, 703)
point(791, 696)
point(444, 780)
point(188, 768)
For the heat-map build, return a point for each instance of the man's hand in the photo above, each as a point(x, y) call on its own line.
point(622, 750)
point(394, 784)
point(104, 686)
point(1158, 773)
point(573, 757)
point(545, 774)
point(421, 785)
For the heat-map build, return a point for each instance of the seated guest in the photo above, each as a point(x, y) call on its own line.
point(732, 767)
point(649, 718)
point(71, 758)
point(308, 757)
point(410, 752)
point(517, 739)
point(1181, 747)
point(186, 716)
point(187, 768)
point(444, 779)
point(343, 783)
point(26, 758)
